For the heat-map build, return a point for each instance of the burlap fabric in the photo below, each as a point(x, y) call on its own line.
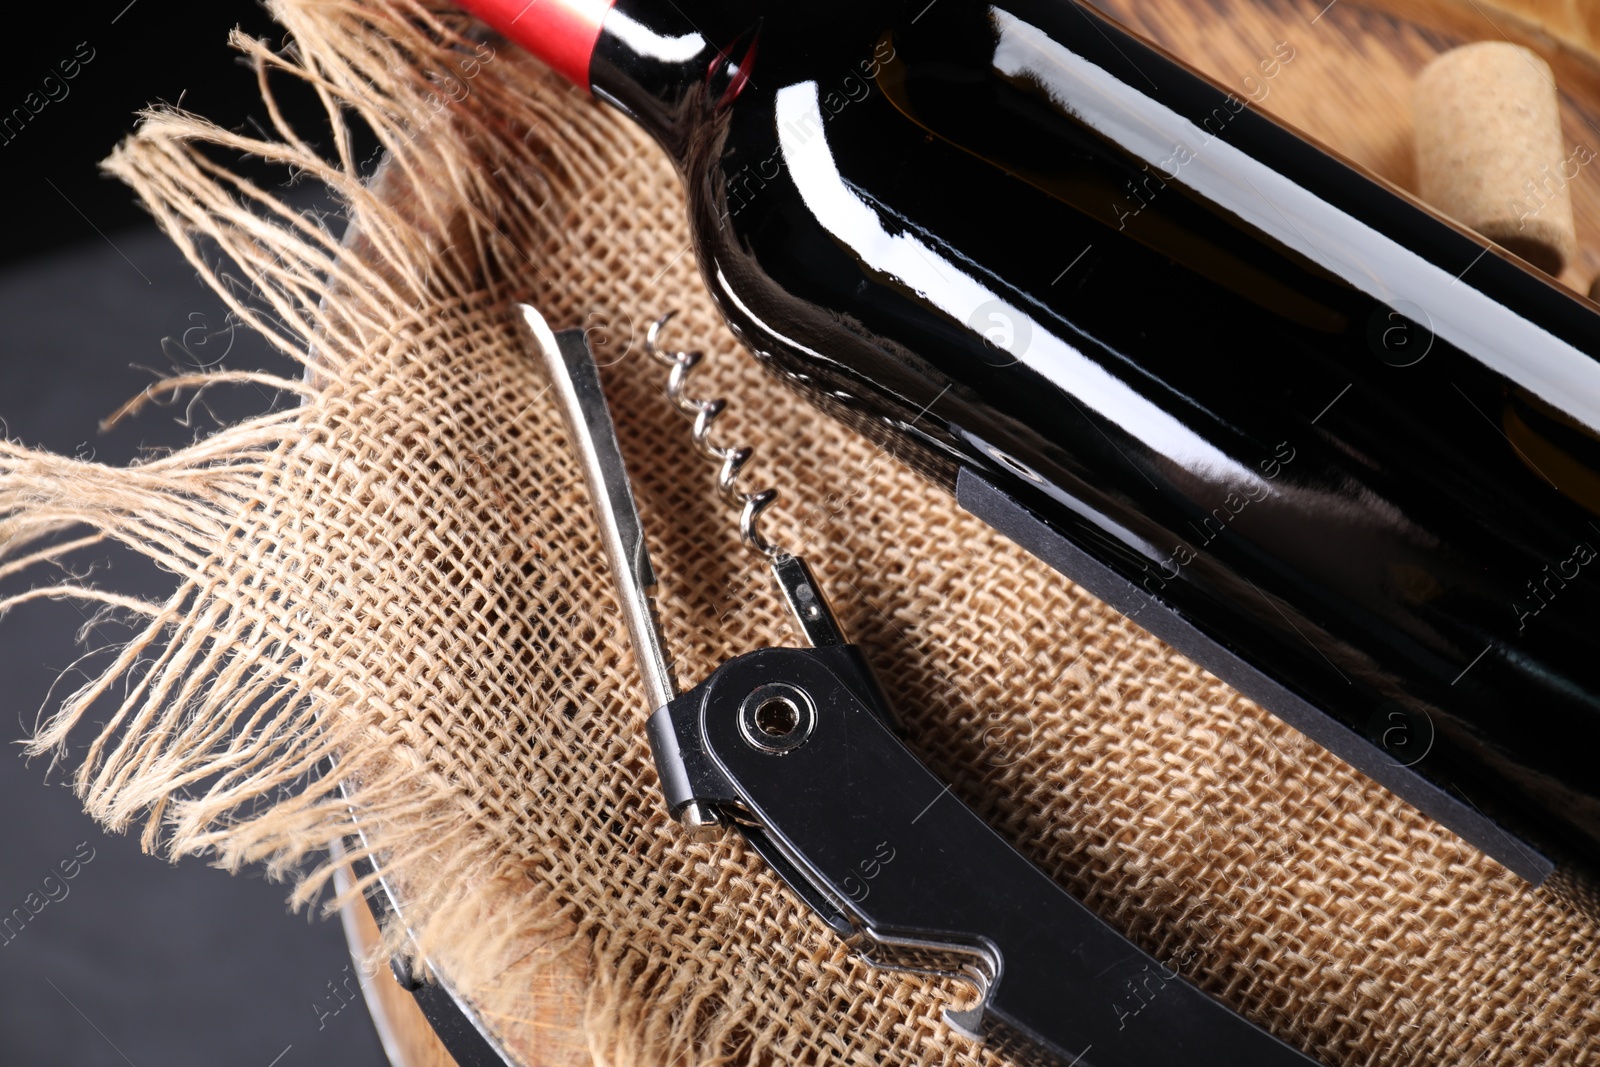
point(403, 573)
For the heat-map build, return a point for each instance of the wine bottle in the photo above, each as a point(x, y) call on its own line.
point(1336, 448)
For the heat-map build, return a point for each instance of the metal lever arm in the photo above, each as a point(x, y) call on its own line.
point(791, 739)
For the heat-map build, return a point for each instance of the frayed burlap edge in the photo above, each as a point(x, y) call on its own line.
point(229, 711)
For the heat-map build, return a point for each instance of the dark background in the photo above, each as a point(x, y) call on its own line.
point(141, 963)
point(145, 52)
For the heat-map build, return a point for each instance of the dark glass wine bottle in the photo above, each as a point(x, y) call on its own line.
point(1336, 448)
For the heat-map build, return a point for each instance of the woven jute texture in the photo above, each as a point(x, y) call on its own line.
point(403, 573)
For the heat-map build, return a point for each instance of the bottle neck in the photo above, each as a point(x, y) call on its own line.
point(666, 65)
point(670, 66)
point(563, 33)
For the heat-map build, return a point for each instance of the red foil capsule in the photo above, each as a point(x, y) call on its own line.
point(560, 32)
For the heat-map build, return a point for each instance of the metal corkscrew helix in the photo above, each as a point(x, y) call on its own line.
point(800, 590)
point(705, 413)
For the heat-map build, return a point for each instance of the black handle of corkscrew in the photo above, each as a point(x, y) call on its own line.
point(796, 744)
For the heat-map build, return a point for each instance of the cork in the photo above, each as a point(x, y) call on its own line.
point(1490, 152)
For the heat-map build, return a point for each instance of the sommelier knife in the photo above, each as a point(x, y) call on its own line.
point(796, 748)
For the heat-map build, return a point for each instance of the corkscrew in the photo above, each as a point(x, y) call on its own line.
point(794, 577)
point(705, 414)
point(797, 749)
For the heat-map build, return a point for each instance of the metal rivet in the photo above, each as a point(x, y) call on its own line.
point(700, 823)
point(777, 717)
